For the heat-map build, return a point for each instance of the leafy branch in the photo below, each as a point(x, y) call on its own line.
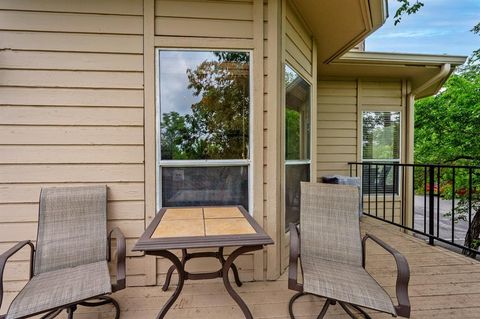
point(406, 8)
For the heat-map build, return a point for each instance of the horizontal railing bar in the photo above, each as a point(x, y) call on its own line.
point(429, 184)
point(414, 165)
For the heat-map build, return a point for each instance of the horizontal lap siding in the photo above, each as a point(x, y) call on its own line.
point(381, 94)
point(71, 113)
point(298, 43)
point(336, 126)
point(339, 105)
point(214, 19)
point(298, 53)
point(339, 102)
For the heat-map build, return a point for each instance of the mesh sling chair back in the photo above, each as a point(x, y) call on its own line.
point(69, 265)
point(331, 254)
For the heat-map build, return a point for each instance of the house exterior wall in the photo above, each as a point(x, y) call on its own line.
point(340, 104)
point(299, 52)
point(77, 96)
point(71, 96)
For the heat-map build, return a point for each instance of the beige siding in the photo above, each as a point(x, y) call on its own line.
point(71, 110)
point(336, 126)
point(340, 103)
point(77, 108)
point(299, 52)
point(218, 19)
point(298, 42)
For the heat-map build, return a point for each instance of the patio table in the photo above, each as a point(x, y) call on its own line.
point(202, 227)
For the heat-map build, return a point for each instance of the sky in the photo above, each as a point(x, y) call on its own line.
point(174, 92)
point(440, 27)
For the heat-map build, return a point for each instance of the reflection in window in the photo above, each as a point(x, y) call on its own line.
point(380, 143)
point(297, 116)
point(203, 107)
point(297, 141)
point(294, 174)
point(204, 104)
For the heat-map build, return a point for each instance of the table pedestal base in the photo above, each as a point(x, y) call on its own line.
point(222, 273)
point(216, 274)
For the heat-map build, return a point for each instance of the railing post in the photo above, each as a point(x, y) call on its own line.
point(431, 208)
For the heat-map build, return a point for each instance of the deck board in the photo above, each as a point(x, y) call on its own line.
point(443, 285)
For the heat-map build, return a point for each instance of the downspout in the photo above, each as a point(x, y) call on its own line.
point(444, 71)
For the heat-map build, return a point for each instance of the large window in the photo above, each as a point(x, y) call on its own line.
point(203, 127)
point(380, 143)
point(297, 141)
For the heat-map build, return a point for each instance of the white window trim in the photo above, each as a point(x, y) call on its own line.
point(286, 162)
point(389, 160)
point(202, 163)
point(400, 135)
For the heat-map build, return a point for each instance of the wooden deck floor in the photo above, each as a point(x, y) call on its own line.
point(443, 285)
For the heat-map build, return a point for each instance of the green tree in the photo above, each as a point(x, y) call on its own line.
point(406, 8)
point(447, 130)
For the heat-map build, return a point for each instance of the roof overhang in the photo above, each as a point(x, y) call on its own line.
point(338, 26)
point(419, 69)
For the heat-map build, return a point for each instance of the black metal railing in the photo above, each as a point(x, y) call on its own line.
point(440, 202)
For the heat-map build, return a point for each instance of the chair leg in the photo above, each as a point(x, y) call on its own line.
point(70, 311)
point(362, 312)
point(292, 300)
point(104, 300)
point(50, 315)
point(115, 304)
point(351, 314)
point(322, 313)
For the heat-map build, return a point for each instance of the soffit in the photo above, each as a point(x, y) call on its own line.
point(416, 68)
point(338, 26)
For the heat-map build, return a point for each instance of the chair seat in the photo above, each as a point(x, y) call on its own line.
point(343, 282)
point(57, 288)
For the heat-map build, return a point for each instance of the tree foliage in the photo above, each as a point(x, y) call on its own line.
point(447, 130)
point(447, 126)
point(406, 8)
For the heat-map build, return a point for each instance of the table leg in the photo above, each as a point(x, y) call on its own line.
point(234, 268)
point(181, 278)
point(226, 267)
point(172, 269)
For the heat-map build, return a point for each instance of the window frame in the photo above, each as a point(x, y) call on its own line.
point(159, 163)
point(286, 162)
point(400, 143)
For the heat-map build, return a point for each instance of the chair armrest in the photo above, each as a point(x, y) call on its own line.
point(294, 259)
point(9, 253)
point(121, 256)
point(403, 275)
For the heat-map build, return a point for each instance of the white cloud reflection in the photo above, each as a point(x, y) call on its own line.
point(174, 92)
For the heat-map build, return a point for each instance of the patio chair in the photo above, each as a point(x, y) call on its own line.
point(332, 255)
point(68, 266)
